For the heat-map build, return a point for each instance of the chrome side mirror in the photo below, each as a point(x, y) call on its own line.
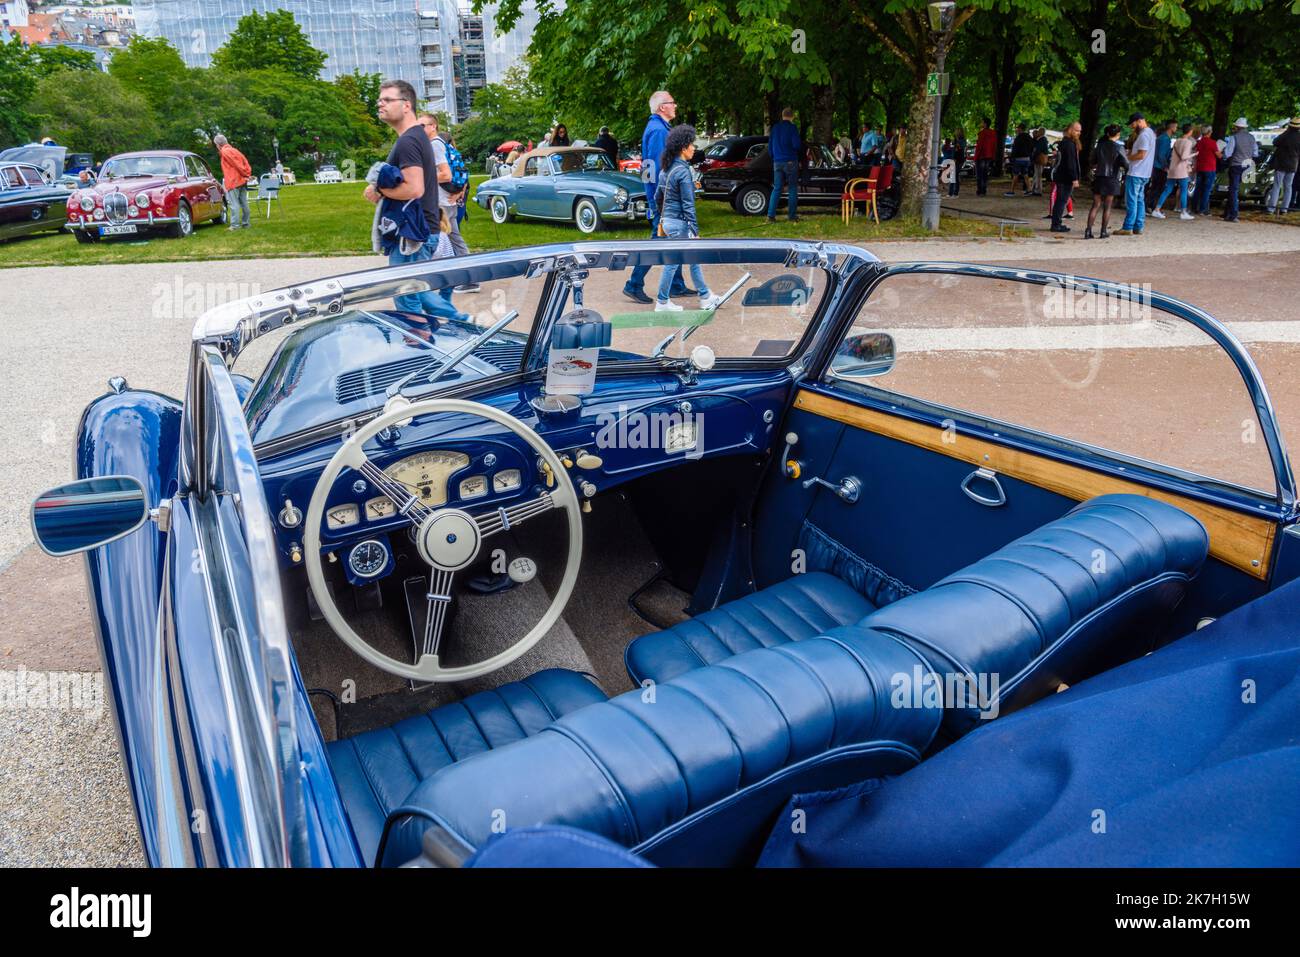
point(83, 515)
point(863, 356)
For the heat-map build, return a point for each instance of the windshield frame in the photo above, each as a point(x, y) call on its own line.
point(107, 173)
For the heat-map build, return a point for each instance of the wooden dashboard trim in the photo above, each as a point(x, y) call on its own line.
point(1244, 542)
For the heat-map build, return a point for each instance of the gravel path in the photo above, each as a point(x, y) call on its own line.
point(63, 799)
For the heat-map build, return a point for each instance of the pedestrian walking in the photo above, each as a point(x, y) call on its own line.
point(1207, 169)
point(677, 214)
point(986, 151)
point(605, 141)
point(412, 154)
point(235, 170)
point(1160, 168)
point(784, 145)
point(1182, 157)
point(451, 193)
point(1040, 159)
point(1022, 149)
point(1286, 159)
point(663, 108)
point(1108, 161)
point(1141, 160)
point(1240, 151)
point(1065, 174)
point(959, 151)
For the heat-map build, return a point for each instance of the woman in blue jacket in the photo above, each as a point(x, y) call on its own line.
point(677, 216)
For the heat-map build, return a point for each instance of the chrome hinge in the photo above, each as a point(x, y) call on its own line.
point(571, 266)
point(162, 516)
point(817, 256)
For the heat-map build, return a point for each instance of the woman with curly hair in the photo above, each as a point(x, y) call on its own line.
point(677, 213)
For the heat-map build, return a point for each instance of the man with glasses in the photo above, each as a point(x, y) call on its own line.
point(413, 155)
point(662, 111)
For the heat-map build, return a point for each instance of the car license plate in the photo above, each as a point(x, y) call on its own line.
point(116, 230)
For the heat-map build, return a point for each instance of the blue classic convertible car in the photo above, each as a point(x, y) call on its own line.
point(574, 184)
point(855, 568)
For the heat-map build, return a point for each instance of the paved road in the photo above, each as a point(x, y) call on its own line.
point(62, 796)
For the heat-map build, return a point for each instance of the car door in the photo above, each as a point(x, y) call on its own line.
point(208, 185)
point(973, 404)
point(15, 203)
point(196, 190)
point(49, 207)
point(534, 192)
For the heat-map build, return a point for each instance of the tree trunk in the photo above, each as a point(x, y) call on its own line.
point(772, 105)
point(916, 149)
point(823, 118)
point(1005, 83)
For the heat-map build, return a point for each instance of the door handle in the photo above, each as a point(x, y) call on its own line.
point(987, 475)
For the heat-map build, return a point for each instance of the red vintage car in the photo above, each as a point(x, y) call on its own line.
point(169, 190)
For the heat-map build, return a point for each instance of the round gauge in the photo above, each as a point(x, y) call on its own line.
point(381, 507)
point(426, 473)
point(473, 487)
point(368, 558)
point(341, 516)
point(506, 481)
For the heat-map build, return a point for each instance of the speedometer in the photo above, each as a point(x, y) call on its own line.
point(426, 473)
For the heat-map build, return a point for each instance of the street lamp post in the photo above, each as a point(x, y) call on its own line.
point(275, 142)
point(941, 16)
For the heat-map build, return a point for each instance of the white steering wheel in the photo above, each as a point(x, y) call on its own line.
point(449, 539)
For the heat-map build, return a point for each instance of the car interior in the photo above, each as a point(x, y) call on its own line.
point(651, 574)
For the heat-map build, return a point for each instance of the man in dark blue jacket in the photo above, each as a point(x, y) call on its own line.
point(662, 111)
point(784, 145)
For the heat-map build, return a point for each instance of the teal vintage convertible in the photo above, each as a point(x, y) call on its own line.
point(574, 184)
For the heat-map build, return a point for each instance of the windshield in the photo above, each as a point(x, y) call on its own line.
point(586, 161)
point(129, 166)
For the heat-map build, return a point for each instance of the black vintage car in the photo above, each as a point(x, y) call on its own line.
point(29, 202)
point(821, 182)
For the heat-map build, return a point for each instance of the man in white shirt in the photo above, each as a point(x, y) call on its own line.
point(450, 204)
point(1141, 160)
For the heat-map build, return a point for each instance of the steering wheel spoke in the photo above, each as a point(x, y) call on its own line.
point(407, 502)
point(504, 519)
point(439, 598)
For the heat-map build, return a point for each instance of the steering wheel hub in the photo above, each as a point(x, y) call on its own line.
point(449, 539)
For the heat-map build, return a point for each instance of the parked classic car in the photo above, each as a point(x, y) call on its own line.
point(568, 183)
point(338, 626)
point(28, 202)
point(735, 151)
point(329, 173)
point(169, 190)
point(821, 182)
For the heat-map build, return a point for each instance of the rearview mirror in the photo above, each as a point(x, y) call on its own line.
point(83, 515)
point(864, 356)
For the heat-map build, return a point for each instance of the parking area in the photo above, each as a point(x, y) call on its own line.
point(63, 799)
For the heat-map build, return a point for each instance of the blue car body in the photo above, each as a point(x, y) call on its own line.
point(570, 184)
point(226, 760)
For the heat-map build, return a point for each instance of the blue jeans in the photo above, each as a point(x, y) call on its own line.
point(1282, 183)
point(1135, 202)
point(678, 229)
point(636, 278)
point(1234, 185)
point(1204, 189)
point(426, 303)
point(237, 205)
point(1170, 184)
point(786, 173)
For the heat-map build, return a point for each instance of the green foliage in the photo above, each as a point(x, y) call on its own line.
point(17, 84)
point(47, 60)
point(89, 111)
point(514, 109)
point(270, 41)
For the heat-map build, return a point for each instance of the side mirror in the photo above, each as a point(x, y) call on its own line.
point(864, 356)
point(83, 515)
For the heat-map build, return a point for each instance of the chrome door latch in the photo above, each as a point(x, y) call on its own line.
point(999, 496)
point(848, 490)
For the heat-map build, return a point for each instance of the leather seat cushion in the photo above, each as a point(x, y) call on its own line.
point(376, 770)
point(795, 609)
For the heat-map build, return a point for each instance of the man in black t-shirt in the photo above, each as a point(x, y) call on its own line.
point(1022, 150)
point(413, 155)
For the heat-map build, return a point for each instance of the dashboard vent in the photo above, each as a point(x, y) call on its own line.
point(506, 356)
point(360, 383)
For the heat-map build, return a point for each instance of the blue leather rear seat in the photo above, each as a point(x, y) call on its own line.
point(792, 610)
point(376, 770)
point(1056, 605)
point(692, 770)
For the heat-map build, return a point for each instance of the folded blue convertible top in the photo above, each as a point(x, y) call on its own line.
point(1187, 757)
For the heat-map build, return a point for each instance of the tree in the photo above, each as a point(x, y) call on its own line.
point(47, 60)
point(270, 41)
point(152, 68)
point(90, 112)
point(509, 110)
point(17, 83)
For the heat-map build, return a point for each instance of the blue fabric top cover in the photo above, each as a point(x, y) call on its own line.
point(1188, 757)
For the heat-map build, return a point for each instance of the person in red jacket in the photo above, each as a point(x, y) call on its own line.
point(986, 151)
point(235, 170)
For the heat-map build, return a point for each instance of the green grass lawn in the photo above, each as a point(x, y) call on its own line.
point(334, 220)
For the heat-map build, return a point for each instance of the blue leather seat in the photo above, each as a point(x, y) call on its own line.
point(795, 609)
point(376, 770)
point(692, 770)
point(1067, 600)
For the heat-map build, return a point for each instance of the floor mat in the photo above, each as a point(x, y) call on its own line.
point(660, 603)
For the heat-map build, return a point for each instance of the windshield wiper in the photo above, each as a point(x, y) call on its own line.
point(452, 359)
point(686, 334)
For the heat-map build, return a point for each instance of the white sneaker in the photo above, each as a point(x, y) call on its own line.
point(666, 305)
point(1156, 214)
point(1185, 215)
point(712, 301)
